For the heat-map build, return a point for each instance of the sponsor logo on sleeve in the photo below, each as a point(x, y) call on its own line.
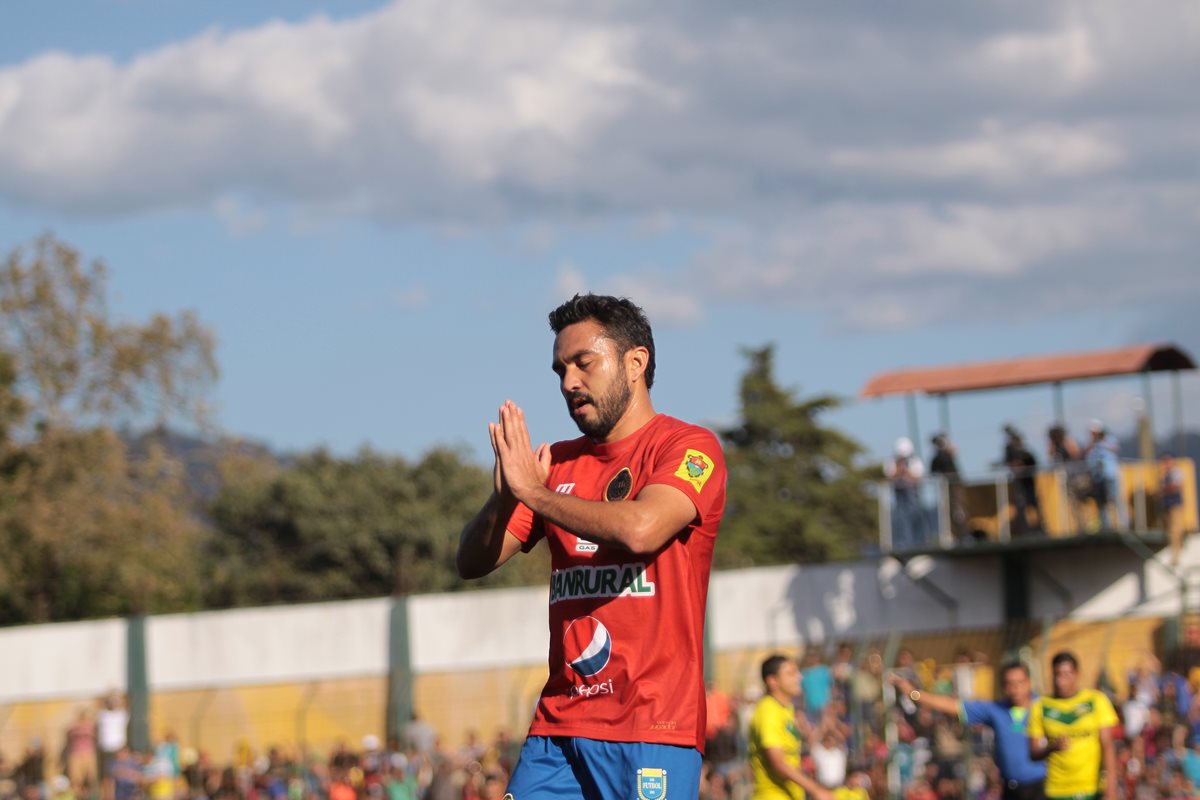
point(696, 469)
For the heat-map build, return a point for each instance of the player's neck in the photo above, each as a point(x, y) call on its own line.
point(638, 413)
point(783, 698)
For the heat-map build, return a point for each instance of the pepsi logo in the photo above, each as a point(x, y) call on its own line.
point(587, 645)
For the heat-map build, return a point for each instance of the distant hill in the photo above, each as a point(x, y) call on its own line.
point(200, 457)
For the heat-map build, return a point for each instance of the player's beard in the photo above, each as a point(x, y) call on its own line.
point(610, 407)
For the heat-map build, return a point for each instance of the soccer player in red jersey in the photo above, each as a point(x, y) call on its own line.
point(630, 512)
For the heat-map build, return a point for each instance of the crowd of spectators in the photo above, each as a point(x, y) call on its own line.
point(853, 725)
point(416, 766)
point(856, 730)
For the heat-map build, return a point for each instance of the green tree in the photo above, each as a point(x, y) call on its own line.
point(794, 493)
point(87, 528)
point(76, 365)
point(329, 528)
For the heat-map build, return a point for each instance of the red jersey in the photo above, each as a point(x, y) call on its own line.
point(626, 630)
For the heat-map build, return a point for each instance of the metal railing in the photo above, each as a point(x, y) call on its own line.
point(1001, 505)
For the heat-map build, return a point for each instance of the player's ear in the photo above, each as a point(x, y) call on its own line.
point(636, 359)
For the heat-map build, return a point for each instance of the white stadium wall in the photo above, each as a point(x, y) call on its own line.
point(478, 658)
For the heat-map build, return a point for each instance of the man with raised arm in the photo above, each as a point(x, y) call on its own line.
point(1024, 778)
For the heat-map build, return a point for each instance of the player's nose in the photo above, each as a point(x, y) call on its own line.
point(570, 381)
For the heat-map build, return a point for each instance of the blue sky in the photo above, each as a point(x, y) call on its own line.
point(374, 205)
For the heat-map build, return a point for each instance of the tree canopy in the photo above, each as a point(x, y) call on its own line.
point(78, 366)
point(328, 527)
point(89, 529)
point(97, 521)
point(795, 493)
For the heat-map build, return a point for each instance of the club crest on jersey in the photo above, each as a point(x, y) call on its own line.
point(696, 468)
point(651, 784)
point(618, 488)
point(587, 646)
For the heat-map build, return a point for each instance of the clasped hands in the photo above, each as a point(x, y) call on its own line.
point(520, 470)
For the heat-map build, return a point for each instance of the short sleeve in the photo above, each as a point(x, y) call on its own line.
point(526, 526)
point(773, 732)
point(1106, 715)
point(1036, 731)
point(976, 712)
point(691, 460)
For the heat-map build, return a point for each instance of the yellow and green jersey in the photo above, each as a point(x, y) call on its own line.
point(1079, 719)
point(773, 725)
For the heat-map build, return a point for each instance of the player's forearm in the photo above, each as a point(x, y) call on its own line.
point(481, 544)
point(630, 525)
point(781, 767)
point(937, 702)
point(1111, 773)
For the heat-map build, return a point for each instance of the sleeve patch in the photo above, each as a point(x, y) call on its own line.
point(696, 469)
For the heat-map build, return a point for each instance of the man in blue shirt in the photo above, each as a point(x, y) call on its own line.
point(1024, 778)
point(1104, 464)
point(816, 682)
point(1191, 762)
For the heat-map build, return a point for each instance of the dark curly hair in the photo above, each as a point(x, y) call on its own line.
point(623, 322)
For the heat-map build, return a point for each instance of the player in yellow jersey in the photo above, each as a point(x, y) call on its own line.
point(775, 737)
point(1073, 731)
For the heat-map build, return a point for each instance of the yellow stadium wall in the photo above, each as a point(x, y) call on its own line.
point(48, 721)
point(483, 701)
point(229, 722)
point(737, 671)
point(316, 715)
point(1118, 646)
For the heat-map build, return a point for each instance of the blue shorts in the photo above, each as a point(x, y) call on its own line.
point(570, 768)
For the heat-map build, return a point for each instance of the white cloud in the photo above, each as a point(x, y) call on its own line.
point(415, 98)
point(664, 304)
point(465, 111)
point(997, 156)
point(1062, 59)
point(865, 166)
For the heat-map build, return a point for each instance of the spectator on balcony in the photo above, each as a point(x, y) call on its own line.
point(945, 465)
point(1027, 516)
point(1066, 455)
point(905, 472)
point(1171, 494)
point(1104, 466)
